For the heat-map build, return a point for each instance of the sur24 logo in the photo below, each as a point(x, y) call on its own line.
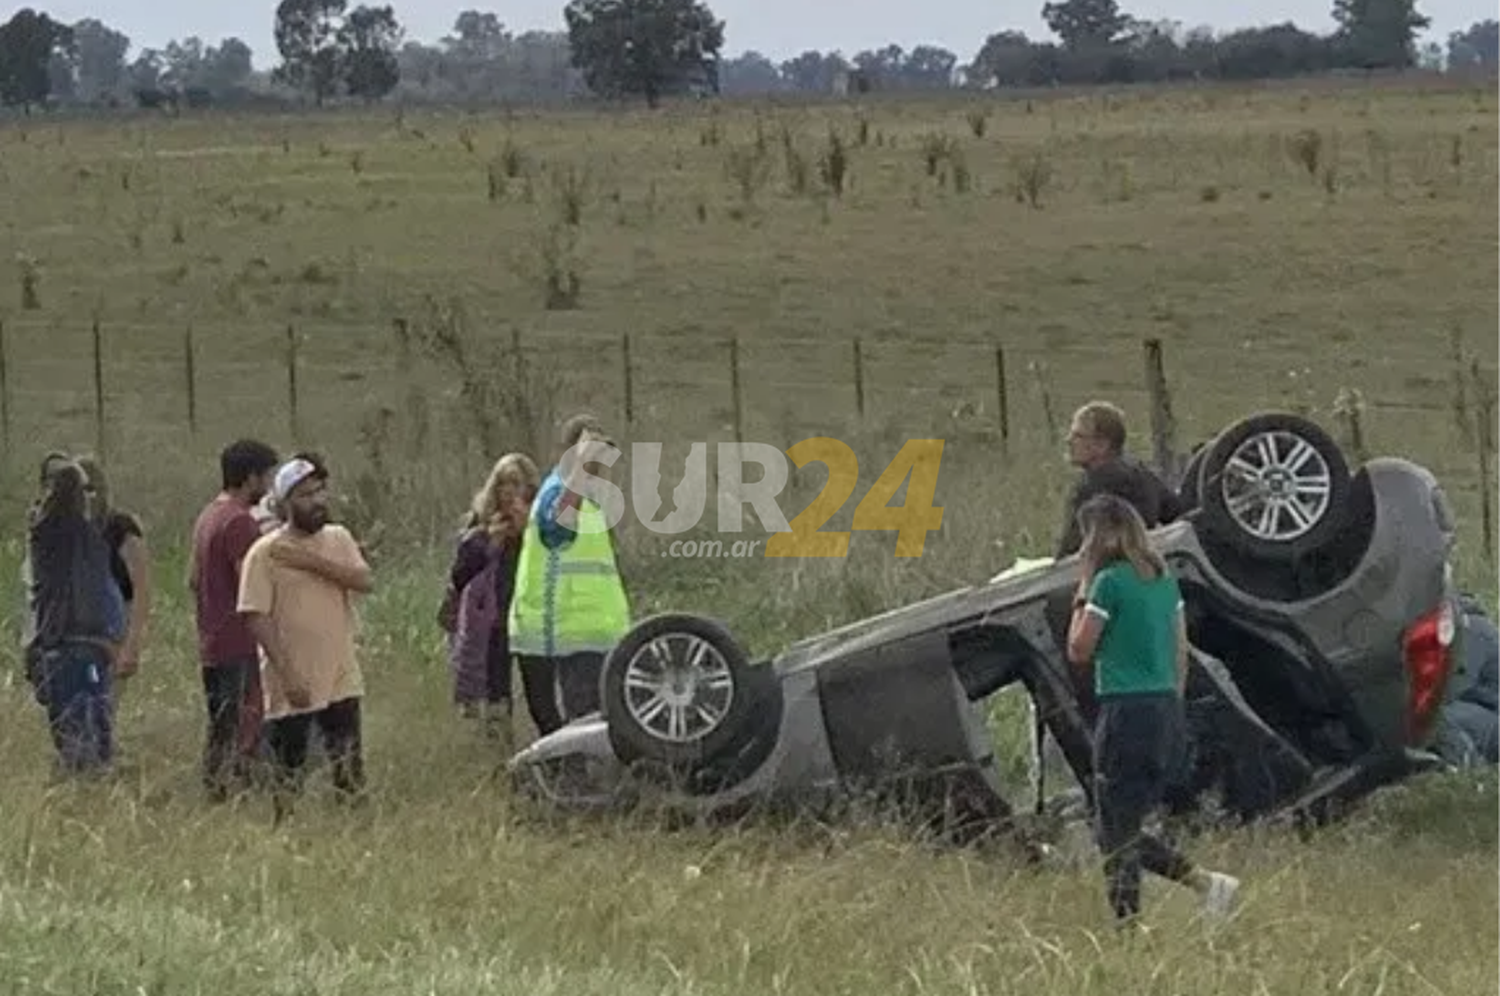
point(916, 464)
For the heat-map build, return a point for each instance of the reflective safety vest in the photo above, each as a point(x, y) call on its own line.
point(568, 600)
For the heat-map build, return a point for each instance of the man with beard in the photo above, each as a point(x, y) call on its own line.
point(227, 652)
point(297, 593)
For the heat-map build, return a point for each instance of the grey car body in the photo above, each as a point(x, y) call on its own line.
point(1310, 682)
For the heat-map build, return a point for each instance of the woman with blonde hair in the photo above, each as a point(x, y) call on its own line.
point(1128, 622)
point(480, 583)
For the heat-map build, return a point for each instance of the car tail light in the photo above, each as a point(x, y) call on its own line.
point(1425, 650)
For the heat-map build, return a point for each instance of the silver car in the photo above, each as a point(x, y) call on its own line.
point(1322, 614)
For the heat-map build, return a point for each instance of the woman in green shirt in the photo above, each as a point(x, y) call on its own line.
point(1128, 622)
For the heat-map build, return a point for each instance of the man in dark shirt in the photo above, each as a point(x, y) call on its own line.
point(1096, 445)
point(227, 651)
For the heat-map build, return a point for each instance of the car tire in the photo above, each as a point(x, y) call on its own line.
point(1275, 457)
point(639, 692)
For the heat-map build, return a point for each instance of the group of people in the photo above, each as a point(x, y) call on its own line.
point(534, 583)
point(275, 582)
point(535, 580)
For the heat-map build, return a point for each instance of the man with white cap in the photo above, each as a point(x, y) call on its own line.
point(297, 593)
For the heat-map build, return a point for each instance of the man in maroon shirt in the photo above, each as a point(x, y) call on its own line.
point(227, 652)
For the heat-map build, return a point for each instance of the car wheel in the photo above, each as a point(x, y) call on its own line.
point(1274, 486)
point(679, 691)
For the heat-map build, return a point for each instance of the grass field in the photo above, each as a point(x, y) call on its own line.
point(1276, 269)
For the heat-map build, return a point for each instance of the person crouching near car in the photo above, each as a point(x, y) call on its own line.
point(297, 590)
point(76, 621)
point(1128, 623)
point(569, 607)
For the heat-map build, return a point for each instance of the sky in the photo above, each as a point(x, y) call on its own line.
point(777, 28)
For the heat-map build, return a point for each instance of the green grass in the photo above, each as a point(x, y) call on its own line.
point(1178, 214)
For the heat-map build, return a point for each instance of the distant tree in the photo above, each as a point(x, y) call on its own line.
point(28, 43)
point(236, 58)
point(1005, 59)
point(307, 38)
point(475, 57)
point(228, 67)
point(930, 67)
point(368, 42)
point(1476, 48)
point(750, 72)
point(62, 76)
point(539, 63)
point(1277, 51)
point(185, 63)
point(880, 68)
point(478, 35)
point(1084, 23)
point(813, 72)
point(101, 59)
point(146, 72)
point(1378, 34)
point(643, 47)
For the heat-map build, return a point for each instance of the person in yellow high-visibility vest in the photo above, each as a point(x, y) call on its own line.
point(569, 605)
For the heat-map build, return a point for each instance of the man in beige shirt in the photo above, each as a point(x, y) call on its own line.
point(297, 590)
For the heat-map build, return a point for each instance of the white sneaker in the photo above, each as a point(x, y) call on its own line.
point(1222, 890)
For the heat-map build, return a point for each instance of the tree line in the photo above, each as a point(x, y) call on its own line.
point(656, 48)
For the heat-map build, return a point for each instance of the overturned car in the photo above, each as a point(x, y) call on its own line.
point(1321, 613)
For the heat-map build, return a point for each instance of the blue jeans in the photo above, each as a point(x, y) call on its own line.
point(1138, 748)
point(75, 687)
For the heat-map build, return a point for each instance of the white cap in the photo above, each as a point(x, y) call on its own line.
point(289, 475)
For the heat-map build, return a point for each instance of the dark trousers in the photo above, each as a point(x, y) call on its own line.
point(226, 690)
point(289, 737)
point(497, 669)
point(74, 683)
point(1138, 745)
point(561, 689)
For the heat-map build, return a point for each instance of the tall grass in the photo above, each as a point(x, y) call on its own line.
point(447, 884)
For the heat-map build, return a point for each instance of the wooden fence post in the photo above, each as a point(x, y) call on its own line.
point(1002, 395)
point(1163, 425)
point(402, 332)
point(1039, 373)
point(859, 379)
point(291, 383)
point(1484, 440)
point(734, 389)
point(1349, 406)
point(4, 391)
point(1461, 415)
point(190, 373)
point(99, 441)
point(629, 395)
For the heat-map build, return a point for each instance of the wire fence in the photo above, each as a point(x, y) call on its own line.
point(132, 388)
